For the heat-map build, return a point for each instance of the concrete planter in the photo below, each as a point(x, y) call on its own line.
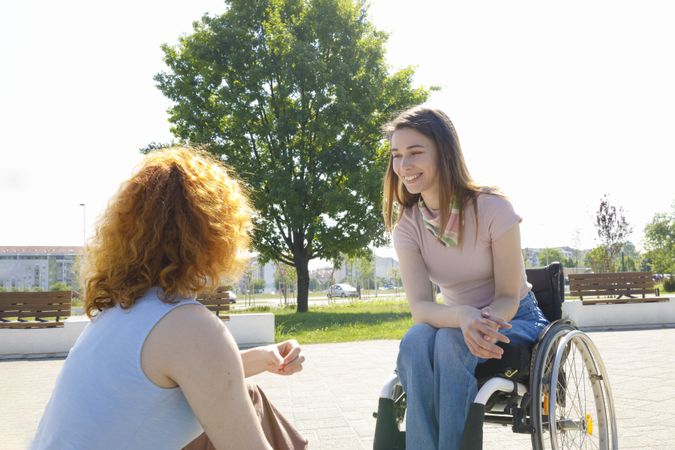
point(248, 330)
point(618, 316)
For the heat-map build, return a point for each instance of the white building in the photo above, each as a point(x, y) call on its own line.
point(257, 271)
point(384, 268)
point(27, 268)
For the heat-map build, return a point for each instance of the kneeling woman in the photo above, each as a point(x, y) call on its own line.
point(155, 368)
point(466, 239)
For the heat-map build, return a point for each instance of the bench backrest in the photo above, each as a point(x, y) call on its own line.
point(35, 306)
point(218, 302)
point(616, 283)
point(548, 285)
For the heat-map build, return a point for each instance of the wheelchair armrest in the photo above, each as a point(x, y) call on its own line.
point(498, 384)
point(388, 387)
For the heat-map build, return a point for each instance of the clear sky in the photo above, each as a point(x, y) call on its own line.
point(556, 103)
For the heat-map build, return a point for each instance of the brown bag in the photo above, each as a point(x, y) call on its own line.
point(279, 432)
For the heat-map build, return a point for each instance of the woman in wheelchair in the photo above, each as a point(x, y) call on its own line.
point(464, 238)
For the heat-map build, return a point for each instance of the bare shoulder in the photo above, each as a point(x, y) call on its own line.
point(189, 334)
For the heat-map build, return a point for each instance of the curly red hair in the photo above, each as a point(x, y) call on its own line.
point(181, 223)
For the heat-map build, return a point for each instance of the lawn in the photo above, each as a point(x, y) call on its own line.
point(355, 321)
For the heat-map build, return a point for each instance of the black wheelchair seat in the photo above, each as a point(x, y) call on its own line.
point(514, 363)
point(527, 388)
point(548, 288)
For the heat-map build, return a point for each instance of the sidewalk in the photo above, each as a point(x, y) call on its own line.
point(332, 400)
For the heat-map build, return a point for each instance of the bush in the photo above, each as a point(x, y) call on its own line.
point(669, 284)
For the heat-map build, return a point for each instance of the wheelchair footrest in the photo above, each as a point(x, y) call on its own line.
point(387, 434)
point(472, 438)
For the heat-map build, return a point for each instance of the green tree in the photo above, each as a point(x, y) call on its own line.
point(293, 94)
point(284, 278)
point(660, 242)
point(362, 268)
point(625, 263)
point(597, 259)
point(365, 264)
point(59, 286)
point(314, 284)
point(627, 260)
point(395, 276)
point(613, 230)
point(549, 255)
point(258, 284)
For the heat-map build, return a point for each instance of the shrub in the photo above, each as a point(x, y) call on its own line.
point(669, 284)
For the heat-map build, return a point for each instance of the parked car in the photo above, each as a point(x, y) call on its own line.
point(342, 290)
point(230, 293)
point(233, 296)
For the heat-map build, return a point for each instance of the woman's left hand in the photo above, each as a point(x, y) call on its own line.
point(487, 313)
point(286, 358)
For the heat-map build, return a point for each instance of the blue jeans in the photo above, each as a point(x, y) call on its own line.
point(436, 370)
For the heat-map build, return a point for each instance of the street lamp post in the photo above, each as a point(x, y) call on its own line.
point(84, 224)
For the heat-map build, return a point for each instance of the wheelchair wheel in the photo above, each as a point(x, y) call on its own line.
point(573, 407)
point(390, 417)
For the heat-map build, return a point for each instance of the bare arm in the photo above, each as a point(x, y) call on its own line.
point(508, 269)
point(420, 296)
point(190, 347)
point(284, 358)
point(424, 309)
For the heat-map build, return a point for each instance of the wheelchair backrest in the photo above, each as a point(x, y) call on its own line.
point(548, 286)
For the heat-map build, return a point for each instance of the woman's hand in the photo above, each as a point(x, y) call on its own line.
point(480, 330)
point(285, 358)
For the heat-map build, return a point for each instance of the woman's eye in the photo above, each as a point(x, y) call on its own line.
point(395, 155)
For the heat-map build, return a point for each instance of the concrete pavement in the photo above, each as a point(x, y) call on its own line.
point(332, 400)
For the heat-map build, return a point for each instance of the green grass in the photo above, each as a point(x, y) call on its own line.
point(663, 290)
point(355, 321)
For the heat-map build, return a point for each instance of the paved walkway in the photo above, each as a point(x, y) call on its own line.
point(332, 400)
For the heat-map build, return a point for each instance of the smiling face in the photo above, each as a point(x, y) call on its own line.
point(415, 162)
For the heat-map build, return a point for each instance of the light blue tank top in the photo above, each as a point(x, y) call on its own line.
point(102, 398)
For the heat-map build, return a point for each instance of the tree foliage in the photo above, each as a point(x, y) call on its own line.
point(598, 260)
point(660, 242)
point(59, 286)
point(549, 255)
point(613, 230)
point(292, 95)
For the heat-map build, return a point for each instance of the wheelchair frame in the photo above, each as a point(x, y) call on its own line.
point(507, 399)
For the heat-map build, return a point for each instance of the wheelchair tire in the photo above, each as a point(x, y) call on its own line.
point(581, 403)
point(390, 416)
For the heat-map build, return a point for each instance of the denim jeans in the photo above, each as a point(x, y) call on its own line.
point(436, 370)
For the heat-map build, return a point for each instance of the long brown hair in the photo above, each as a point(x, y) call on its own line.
point(455, 180)
point(180, 223)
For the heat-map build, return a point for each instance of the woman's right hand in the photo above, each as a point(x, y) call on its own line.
point(481, 334)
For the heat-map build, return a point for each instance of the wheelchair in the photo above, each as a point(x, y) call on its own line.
point(557, 390)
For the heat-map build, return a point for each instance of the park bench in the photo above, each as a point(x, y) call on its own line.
point(218, 302)
point(612, 288)
point(34, 309)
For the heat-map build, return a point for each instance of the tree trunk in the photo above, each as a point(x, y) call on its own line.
point(302, 271)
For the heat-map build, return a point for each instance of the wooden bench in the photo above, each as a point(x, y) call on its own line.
point(611, 288)
point(218, 302)
point(34, 309)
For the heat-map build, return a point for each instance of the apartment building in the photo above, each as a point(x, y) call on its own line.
point(28, 268)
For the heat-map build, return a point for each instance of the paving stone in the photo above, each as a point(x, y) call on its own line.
point(333, 398)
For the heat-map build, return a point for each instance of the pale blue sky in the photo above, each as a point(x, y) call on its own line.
point(555, 103)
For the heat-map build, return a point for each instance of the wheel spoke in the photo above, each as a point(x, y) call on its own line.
point(580, 410)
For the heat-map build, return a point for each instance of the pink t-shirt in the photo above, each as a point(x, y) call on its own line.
point(465, 273)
